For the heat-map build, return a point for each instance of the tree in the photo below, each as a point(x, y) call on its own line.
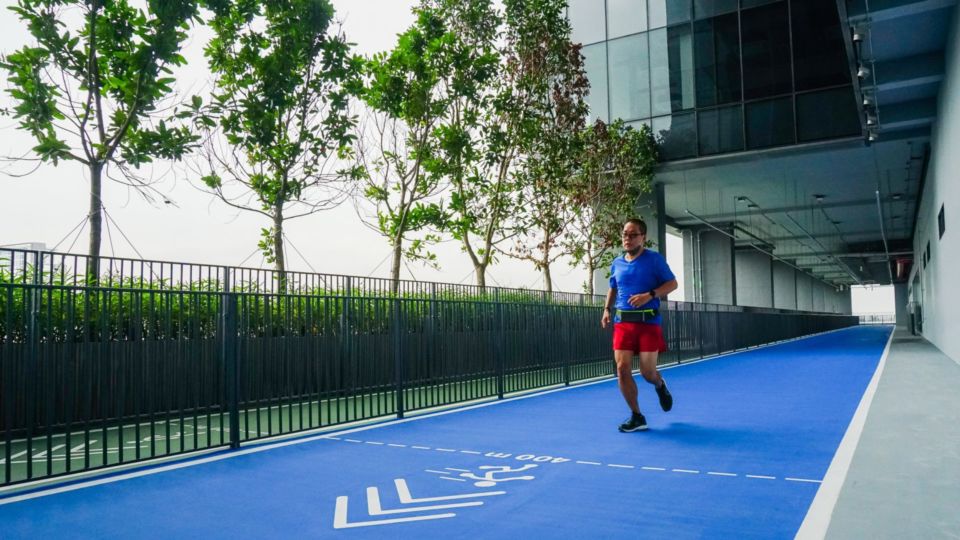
point(616, 168)
point(412, 91)
point(279, 116)
point(557, 86)
point(91, 89)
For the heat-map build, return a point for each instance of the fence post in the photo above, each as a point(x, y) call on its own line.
point(231, 359)
point(499, 337)
point(700, 329)
point(398, 353)
point(30, 372)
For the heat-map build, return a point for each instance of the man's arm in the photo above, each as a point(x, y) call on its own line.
point(663, 290)
point(608, 307)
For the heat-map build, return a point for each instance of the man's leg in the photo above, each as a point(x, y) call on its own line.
point(648, 367)
point(628, 387)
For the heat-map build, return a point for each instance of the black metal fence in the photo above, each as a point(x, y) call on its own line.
point(95, 376)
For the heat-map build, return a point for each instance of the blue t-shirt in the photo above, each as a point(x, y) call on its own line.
point(646, 272)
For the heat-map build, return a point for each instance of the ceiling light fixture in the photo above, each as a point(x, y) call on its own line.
point(863, 71)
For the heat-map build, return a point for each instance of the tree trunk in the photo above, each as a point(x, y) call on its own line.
point(96, 221)
point(279, 260)
point(547, 279)
point(481, 271)
point(590, 269)
point(395, 267)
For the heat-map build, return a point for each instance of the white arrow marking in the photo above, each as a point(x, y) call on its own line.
point(340, 517)
point(404, 492)
point(374, 508)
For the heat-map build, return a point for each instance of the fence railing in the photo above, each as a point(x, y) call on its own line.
point(95, 376)
point(877, 318)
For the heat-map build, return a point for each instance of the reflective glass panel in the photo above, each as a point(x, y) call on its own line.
point(766, 51)
point(677, 135)
point(769, 123)
point(820, 55)
point(595, 63)
point(827, 114)
point(680, 57)
point(625, 17)
point(703, 9)
point(717, 55)
point(587, 21)
point(629, 78)
point(668, 12)
point(720, 130)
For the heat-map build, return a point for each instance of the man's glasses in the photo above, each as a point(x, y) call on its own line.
point(631, 236)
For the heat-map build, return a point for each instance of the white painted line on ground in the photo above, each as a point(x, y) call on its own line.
point(397, 445)
point(455, 469)
point(688, 471)
point(721, 473)
point(435, 472)
point(373, 442)
point(653, 468)
point(444, 450)
point(620, 466)
point(452, 479)
point(470, 452)
point(760, 476)
point(335, 438)
point(803, 480)
point(817, 520)
point(353, 440)
point(421, 447)
point(589, 463)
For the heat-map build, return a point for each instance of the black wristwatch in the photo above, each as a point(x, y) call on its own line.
point(653, 293)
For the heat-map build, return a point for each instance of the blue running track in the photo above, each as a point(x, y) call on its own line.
point(741, 455)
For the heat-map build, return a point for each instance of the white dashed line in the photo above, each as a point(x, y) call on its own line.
point(594, 463)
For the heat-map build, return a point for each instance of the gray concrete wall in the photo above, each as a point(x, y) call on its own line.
point(804, 292)
point(900, 304)
point(716, 259)
point(754, 279)
point(784, 286)
point(941, 291)
point(819, 303)
point(691, 260)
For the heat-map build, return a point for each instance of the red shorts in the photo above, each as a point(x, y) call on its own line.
point(638, 337)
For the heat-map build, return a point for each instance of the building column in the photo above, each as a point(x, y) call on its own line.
point(900, 305)
point(717, 268)
point(753, 278)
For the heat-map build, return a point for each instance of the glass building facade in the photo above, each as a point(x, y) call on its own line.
point(718, 76)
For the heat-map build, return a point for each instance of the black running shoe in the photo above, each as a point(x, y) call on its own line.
point(636, 422)
point(666, 400)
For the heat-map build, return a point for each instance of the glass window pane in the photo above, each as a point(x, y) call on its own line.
point(766, 51)
point(745, 4)
point(720, 130)
point(666, 12)
point(717, 53)
point(595, 64)
point(659, 72)
point(629, 78)
point(625, 17)
point(769, 123)
point(710, 8)
point(587, 20)
point(680, 57)
point(827, 114)
point(820, 55)
point(677, 135)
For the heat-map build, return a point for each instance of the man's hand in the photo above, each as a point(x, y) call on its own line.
point(605, 320)
point(638, 300)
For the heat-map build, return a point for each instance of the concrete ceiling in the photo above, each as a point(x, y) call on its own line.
point(816, 205)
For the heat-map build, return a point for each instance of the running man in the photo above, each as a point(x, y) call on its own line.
point(638, 279)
